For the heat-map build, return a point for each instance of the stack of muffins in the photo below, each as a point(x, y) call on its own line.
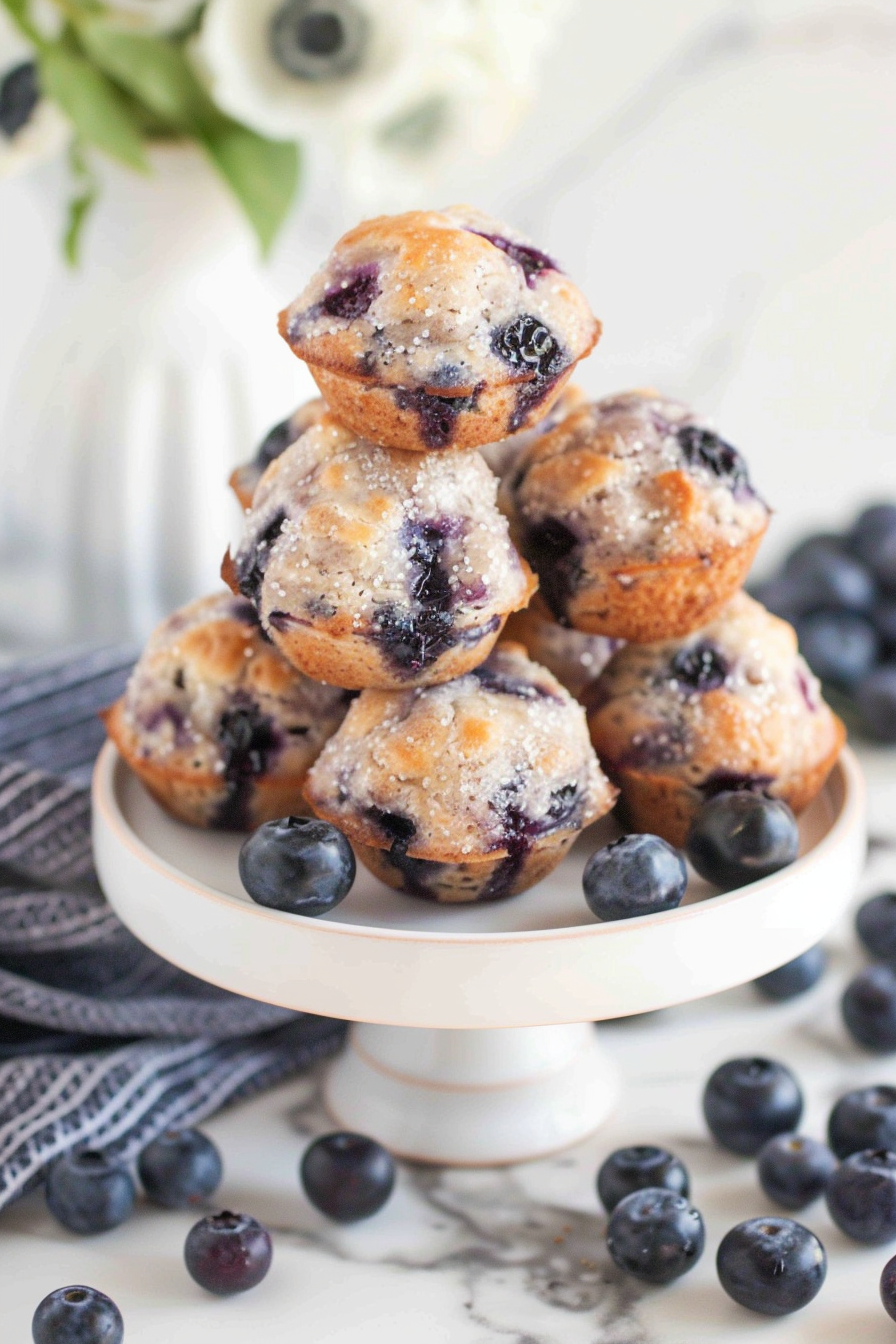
point(356, 668)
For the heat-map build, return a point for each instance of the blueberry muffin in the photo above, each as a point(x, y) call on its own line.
point(371, 567)
point(574, 658)
point(638, 518)
point(439, 329)
point(244, 478)
point(731, 706)
point(469, 791)
point(216, 723)
point(502, 456)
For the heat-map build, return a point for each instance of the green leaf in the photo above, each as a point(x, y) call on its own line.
point(80, 205)
point(18, 12)
point(262, 174)
point(94, 106)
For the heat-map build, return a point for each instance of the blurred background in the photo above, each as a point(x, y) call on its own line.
point(717, 177)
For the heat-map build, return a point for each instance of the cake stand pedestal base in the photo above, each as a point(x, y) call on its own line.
point(473, 1097)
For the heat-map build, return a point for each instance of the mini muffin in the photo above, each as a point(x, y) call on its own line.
point(216, 723)
point(370, 567)
point(732, 706)
point(245, 478)
point(502, 456)
point(638, 518)
point(574, 658)
point(469, 791)
point(439, 329)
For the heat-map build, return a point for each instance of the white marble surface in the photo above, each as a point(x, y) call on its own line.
point(511, 1256)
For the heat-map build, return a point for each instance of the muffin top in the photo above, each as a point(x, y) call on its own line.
point(445, 301)
point(210, 688)
point(632, 480)
point(733, 704)
point(245, 477)
point(463, 770)
point(405, 548)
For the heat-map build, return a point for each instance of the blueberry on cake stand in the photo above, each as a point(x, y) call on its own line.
point(474, 1040)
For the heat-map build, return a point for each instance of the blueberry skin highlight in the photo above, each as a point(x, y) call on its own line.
point(771, 1265)
point(864, 1118)
point(228, 1253)
point(794, 1171)
point(876, 926)
point(77, 1315)
point(794, 977)
point(347, 1176)
point(888, 1288)
point(746, 1102)
point(861, 1196)
point(869, 1009)
point(655, 1235)
point(635, 875)
point(180, 1168)
point(641, 1167)
point(740, 837)
point(841, 647)
point(298, 864)
point(88, 1193)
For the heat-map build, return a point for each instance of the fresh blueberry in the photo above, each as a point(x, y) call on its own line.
point(783, 595)
point(883, 617)
point(888, 1288)
point(88, 1192)
point(883, 564)
point(771, 1265)
point(228, 1253)
point(861, 1196)
point(794, 977)
point(180, 1168)
point(793, 1170)
point(749, 1101)
point(876, 926)
point(642, 1167)
point(635, 875)
point(871, 531)
point(876, 700)
point(841, 647)
point(77, 1315)
point(655, 1235)
point(830, 578)
point(19, 96)
point(869, 1008)
point(864, 1118)
point(806, 551)
point(317, 41)
point(528, 346)
point(298, 864)
point(740, 837)
point(347, 1176)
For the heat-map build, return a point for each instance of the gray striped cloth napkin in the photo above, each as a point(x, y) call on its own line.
point(101, 1041)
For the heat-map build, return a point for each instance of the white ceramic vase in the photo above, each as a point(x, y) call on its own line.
point(148, 374)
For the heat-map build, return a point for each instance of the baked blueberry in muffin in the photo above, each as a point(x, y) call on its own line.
point(731, 706)
point(244, 478)
point(216, 723)
point(638, 518)
point(439, 329)
point(574, 658)
point(468, 791)
point(371, 567)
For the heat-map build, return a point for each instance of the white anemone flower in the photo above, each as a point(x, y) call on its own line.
point(507, 38)
point(32, 129)
point(151, 16)
point(308, 69)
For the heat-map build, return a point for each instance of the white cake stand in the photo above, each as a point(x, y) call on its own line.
point(530, 975)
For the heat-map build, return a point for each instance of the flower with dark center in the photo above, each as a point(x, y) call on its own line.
point(19, 96)
point(319, 40)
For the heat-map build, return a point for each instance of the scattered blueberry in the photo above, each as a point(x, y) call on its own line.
point(771, 1265)
point(841, 647)
point(228, 1253)
point(869, 1008)
point(635, 875)
point(77, 1315)
point(656, 1235)
point(830, 579)
point(783, 595)
point(19, 96)
point(794, 977)
point(876, 700)
point(804, 555)
point(298, 864)
point(640, 1168)
point(871, 531)
point(88, 1192)
point(861, 1196)
point(888, 1288)
point(883, 617)
point(864, 1118)
point(180, 1168)
point(876, 926)
point(746, 1102)
point(793, 1170)
point(347, 1176)
point(741, 836)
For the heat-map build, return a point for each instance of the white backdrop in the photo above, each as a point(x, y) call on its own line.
point(720, 180)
